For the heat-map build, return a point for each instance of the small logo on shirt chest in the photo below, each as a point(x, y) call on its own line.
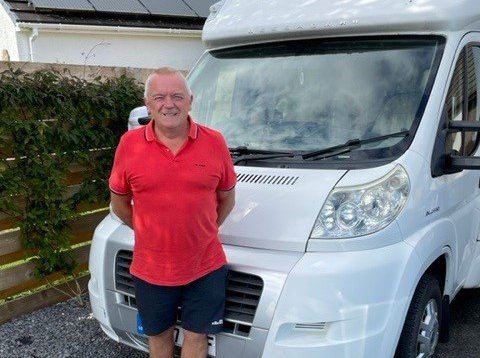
point(200, 165)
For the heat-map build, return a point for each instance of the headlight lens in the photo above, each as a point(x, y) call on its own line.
point(362, 210)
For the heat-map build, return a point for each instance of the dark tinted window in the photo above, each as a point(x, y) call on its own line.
point(462, 102)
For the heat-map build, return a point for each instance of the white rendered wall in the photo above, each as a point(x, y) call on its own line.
point(7, 35)
point(106, 48)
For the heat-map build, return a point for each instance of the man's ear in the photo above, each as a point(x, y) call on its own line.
point(146, 105)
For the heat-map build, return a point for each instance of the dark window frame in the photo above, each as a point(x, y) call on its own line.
point(440, 150)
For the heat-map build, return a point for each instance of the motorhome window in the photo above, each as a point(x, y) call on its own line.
point(307, 95)
point(462, 102)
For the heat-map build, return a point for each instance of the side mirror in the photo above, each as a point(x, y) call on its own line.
point(138, 117)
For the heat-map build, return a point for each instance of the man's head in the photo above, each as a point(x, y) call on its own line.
point(168, 98)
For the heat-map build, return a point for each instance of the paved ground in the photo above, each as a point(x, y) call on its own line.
point(70, 331)
point(465, 329)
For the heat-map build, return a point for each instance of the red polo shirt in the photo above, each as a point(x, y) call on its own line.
point(174, 202)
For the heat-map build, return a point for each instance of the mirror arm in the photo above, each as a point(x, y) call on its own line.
point(459, 162)
point(463, 126)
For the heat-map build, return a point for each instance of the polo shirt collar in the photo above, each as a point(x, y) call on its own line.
point(150, 132)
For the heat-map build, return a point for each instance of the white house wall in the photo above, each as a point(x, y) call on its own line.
point(7, 35)
point(148, 49)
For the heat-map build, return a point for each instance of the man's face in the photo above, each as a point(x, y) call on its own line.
point(168, 101)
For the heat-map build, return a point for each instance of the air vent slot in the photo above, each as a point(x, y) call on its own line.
point(123, 279)
point(267, 179)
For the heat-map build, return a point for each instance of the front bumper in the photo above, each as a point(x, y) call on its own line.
point(335, 304)
point(344, 304)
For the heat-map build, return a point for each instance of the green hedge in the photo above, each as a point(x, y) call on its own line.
point(48, 122)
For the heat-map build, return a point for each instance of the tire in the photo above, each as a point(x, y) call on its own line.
point(421, 331)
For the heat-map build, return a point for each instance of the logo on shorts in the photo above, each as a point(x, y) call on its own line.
point(217, 323)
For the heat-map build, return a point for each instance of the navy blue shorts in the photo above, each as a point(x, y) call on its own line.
point(202, 304)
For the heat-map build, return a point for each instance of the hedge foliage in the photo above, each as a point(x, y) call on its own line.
point(49, 122)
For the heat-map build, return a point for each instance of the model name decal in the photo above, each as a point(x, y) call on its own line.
point(431, 211)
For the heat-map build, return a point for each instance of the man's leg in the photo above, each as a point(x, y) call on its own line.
point(157, 306)
point(203, 305)
point(195, 345)
point(161, 345)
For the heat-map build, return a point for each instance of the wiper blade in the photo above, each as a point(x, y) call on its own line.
point(242, 150)
point(244, 154)
point(349, 145)
point(248, 158)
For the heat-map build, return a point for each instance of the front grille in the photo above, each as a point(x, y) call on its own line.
point(242, 297)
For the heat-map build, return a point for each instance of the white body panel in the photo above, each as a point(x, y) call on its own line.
point(278, 216)
point(344, 297)
point(241, 22)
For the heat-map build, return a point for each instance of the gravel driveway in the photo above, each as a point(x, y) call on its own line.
point(61, 331)
point(68, 330)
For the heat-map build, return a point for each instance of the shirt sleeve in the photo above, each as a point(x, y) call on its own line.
point(229, 178)
point(118, 181)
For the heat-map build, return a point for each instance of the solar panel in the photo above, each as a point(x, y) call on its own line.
point(201, 7)
point(189, 8)
point(168, 7)
point(123, 6)
point(82, 5)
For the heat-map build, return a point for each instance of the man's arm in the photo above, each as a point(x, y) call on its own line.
point(226, 202)
point(122, 207)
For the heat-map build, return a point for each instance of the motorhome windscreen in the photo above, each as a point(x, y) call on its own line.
point(303, 96)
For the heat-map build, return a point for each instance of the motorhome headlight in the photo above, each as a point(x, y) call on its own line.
point(361, 210)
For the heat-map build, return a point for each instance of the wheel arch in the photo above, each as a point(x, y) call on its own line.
point(441, 269)
point(438, 265)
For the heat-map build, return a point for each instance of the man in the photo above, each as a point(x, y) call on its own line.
point(180, 178)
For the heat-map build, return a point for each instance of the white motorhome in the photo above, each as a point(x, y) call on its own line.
point(353, 126)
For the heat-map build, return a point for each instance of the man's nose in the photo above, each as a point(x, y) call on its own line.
point(168, 101)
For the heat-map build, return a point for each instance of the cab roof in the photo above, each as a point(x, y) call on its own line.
point(236, 22)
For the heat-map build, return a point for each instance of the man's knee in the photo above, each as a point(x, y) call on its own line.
point(194, 337)
point(165, 336)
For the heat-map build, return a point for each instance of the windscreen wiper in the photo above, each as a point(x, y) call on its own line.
point(243, 153)
point(349, 145)
point(242, 150)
